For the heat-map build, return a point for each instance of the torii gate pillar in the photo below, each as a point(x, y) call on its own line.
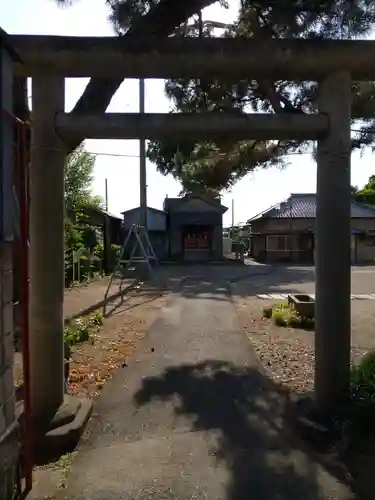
point(47, 211)
point(333, 260)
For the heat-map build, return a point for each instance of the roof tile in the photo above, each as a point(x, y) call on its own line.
point(304, 206)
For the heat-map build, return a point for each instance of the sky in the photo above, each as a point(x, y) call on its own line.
point(253, 194)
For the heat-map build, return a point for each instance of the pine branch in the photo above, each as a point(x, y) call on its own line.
point(161, 21)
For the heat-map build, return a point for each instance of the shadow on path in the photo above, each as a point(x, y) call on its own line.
point(248, 280)
point(193, 417)
point(263, 459)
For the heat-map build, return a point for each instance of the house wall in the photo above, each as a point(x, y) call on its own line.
point(217, 243)
point(159, 243)
point(362, 249)
point(260, 252)
point(367, 224)
point(258, 247)
point(195, 205)
point(365, 253)
point(116, 232)
point(175, 244)
point(179, 219)
point(303, 224)
point(156, 221)
point(279, 226)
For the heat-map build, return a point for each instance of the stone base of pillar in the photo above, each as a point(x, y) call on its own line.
point(63, 432)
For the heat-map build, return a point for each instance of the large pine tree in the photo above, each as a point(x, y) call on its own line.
point(211, 165)
point(215, 166)
point(130, 18)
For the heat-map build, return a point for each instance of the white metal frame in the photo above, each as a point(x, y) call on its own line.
point(147, 256)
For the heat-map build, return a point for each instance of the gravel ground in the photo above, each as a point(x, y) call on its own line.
point(126, 322)
point(94, 363)
point(288, 354)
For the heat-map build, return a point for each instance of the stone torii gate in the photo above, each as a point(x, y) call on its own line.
point(334, 64)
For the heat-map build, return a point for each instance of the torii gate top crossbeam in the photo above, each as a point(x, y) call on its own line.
point(129, 57)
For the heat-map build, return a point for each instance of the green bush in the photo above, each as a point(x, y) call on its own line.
point(83, 238)
point(284, 314)
point(307, 323)
point(295, 321)
point(361, 412)
point(281, 314)
point(267, 312)
point(80, 330)
point(114, 256)
point(280, 318)
point(97, 318)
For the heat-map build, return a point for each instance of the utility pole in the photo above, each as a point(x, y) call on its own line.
point(106, 195)
point(106, 234)
point(142, 162)
point(232, 214)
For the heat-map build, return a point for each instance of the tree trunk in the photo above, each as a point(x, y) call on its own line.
point(161, 21)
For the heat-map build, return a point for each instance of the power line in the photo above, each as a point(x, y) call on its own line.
point(124, 155)
point(120, 155)
point(137, 156)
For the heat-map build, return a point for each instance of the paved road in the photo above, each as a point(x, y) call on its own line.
point(192, 418)
point(264, 279)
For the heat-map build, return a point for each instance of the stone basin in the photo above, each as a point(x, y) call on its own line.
point(303, 304)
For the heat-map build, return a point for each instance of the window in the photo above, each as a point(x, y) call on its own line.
point(282, 243)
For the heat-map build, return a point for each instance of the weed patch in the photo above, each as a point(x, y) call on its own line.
point(359, 415)
point(80, 330)
point(285, 315)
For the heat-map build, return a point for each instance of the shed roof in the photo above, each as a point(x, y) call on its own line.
point(303, 205)
point(92, 211)
point(172, 203)
point(148, 208)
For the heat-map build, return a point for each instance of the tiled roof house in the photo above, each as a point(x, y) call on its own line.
point(286, 231)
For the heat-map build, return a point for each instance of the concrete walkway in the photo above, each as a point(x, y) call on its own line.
point(191, 417)
point(85, 299)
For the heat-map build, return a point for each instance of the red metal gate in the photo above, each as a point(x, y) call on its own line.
point(15, 432)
